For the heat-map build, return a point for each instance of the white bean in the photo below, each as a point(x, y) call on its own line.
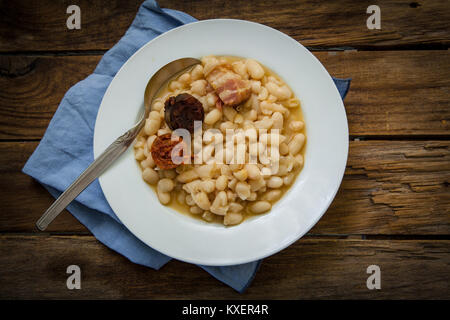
point(268, 107)
point(298, 161)
point(197, 72)
point(163, 131)
point(240, 68)
point(263, 94)
point(150, 176)
point(252, 197)
point(232, 183)
point(219, 205)
point(272, 195)
point(280, 92)
point(284, 149)
point(253, 171)
point(260, 207)
point(199, 87)
point(158, 105)
point(277, 118)
point(274, 182)
point(254, 69)
point(187, 176)
point(139, 143)
point(226, 125)
point(148, 163)
point(292, 103)
point(226, 171)
point(175, 85)
point(251, 115)
point(211, 99)
point(287, 180)
point(296, 143)
point(263, 124)
point(221, 182)
point(139, 154)
point(296, 125)
point(283, 169)
point(235, 207)
point(241, 175)
point(208, 216)
point(151, 126)
point(207, 152)
point(202, 200)
point(213, 116)
point(195, 210)
point(231, 196)
point(272, 98)
point(256, 185)
point(243, 190)
point(185, 78)
point(154, 115)
point(256, 86)
point(232, 218)
point(208, 185)
point(164, 197)
point(205, 171)
point(238, 119)
point(165, 185)
point(150, 141)
point(193, 186)
point(189, 200)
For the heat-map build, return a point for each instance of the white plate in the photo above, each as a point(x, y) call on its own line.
point(193, 240)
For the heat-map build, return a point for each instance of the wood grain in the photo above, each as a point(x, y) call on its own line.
point(390, 187)
point(41, 25)
point(31, 89)
point(392, 93)
point(24, 199)
point(35, 267)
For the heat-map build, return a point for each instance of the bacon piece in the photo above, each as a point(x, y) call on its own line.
point(162, 151)
point(229, 86)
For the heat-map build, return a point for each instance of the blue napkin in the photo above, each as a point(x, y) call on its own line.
point(66, 149)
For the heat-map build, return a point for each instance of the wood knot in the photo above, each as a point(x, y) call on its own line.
point(13, 67)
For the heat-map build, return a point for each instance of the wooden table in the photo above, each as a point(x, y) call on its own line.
point(392, 209)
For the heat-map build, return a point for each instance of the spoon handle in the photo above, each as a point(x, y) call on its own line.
point(90, 174)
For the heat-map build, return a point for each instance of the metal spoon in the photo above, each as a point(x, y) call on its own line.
point(117, 147)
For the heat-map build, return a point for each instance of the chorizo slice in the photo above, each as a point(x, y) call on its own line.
point(181, 112)
point(162, 148)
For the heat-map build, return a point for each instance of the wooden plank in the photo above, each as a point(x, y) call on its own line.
point(390, 187)
point(41, 25)
point(24, 199)
point(309, 269)
point(392, 93)
point(31, 89)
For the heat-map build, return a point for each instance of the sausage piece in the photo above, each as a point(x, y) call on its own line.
point(181, 112)
point(161, 151)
